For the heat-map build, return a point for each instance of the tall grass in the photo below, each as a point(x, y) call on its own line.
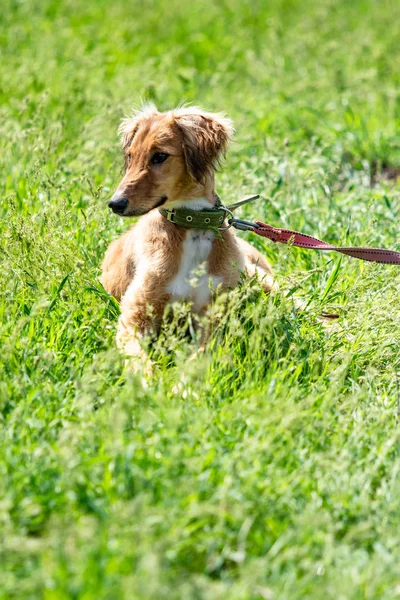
point(268, 467)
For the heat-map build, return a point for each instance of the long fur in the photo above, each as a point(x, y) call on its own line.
point(154, 262)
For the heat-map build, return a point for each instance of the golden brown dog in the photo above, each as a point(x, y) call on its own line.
point(170, 160)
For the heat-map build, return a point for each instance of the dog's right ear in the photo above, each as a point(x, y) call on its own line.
point(130, 125)
point(205, 137)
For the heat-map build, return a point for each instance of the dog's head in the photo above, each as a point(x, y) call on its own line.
point(168, 157)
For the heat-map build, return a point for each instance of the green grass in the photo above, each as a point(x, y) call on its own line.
point(269, 467)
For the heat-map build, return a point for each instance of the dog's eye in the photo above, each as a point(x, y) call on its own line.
point(159, 157)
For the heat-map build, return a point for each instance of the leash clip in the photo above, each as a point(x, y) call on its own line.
point(243, 225)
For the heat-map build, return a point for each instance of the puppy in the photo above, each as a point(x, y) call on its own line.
point(170, 161)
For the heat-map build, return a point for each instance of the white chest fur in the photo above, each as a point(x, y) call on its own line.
point(192, 282)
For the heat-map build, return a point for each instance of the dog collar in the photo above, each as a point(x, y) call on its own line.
point(206, 219)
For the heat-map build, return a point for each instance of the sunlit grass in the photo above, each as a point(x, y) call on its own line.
point(267, 467)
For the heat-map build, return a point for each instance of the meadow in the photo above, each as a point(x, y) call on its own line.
point(268, 467)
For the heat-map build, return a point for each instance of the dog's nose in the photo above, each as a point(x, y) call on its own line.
point(118, 204)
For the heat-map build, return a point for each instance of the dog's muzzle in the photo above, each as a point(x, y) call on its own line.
point(118, 204)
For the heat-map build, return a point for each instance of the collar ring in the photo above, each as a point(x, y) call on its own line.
point(223, 218)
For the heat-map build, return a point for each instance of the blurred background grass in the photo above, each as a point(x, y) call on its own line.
point(269, 467)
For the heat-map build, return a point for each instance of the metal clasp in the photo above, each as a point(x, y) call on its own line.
point(227, 211)
point(242, 225)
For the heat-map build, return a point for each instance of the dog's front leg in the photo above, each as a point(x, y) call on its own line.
point(141, 313)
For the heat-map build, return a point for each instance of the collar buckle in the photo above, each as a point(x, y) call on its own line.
point(170, 214)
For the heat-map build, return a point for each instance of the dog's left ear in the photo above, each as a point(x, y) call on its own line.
point(205, 137)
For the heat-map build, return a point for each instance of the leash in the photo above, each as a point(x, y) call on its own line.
point(301, 240)
point(212, 219)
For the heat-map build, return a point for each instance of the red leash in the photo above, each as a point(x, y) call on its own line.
point(301, 240)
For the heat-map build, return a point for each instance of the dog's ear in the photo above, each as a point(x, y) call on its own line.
point(205, 137)
point(130, 125)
